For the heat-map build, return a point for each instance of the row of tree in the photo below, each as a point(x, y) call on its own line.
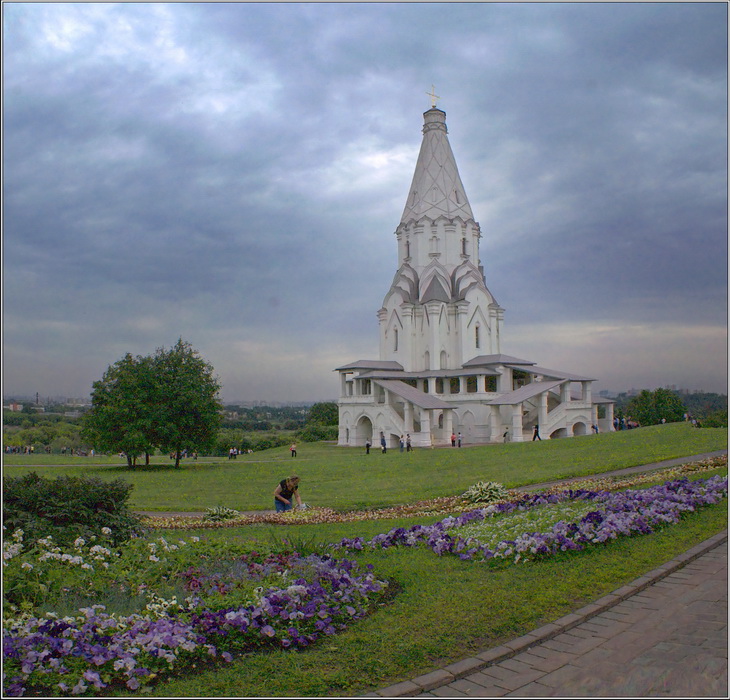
point(166, 401)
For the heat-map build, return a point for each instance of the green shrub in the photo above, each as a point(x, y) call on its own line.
point(220, 514)
point(68, 507)
point(485, 492)
point(716, 419)
point(315, 432)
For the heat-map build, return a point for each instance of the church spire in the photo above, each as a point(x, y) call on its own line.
point(436, 189)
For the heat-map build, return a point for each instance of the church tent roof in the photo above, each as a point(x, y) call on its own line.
point(524, 393)
point(409, 393)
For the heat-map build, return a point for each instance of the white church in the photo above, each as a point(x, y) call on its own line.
point(441, 370)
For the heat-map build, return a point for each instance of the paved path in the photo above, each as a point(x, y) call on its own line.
point(664, 634)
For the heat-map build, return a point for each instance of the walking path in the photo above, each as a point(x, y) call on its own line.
point(664, 634)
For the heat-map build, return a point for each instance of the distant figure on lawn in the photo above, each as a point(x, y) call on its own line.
point(383, 447)
point(408, 442)
point(286, 491)
point(293, 450)
point(536, 433)
point(453, 440)
point(367, 446)
point(458, 439)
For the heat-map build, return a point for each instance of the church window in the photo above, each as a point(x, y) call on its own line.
point(395, 340)
point(365, 387)
point(491, 384)
point(471, 384)
point(408, 249)
point(441, 420)
point(477, 339)
point(463, 246)
point(455, 385)
point(442, 360)
point(439, 385)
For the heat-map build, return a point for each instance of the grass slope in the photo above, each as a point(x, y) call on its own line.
point(345, 478)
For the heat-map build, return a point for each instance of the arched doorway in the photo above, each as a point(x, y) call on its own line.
point(363, 430)
point(580, 429)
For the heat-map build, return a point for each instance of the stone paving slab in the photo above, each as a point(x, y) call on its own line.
point(666, 634)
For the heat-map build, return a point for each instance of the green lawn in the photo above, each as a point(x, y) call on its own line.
point(345, 478)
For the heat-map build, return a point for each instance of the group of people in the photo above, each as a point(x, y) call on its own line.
point(455, 440)
point(404, 444)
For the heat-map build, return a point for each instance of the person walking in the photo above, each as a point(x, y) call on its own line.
point(293, 450)
point(286, 491)
point(402, 443)
point(367, 446)
point(383, 447)
point(536, 433)
point(458, 440)
point(408, 442)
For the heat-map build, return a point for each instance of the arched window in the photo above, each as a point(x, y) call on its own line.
point(463, 246)
point(477, 338)
point(442, 360)
point(395, 340)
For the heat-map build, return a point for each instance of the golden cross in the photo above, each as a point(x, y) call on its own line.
point(433, 96)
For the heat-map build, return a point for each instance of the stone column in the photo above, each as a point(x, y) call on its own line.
point(408, 416)
point(542, 409)
point(517, 435)
point(495, 424)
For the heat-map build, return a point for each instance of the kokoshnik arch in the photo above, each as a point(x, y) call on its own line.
point(441, 369)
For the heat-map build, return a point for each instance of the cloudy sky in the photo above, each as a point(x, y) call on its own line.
point(233, 174)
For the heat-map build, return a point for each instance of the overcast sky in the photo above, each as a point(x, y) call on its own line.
point(233, 174)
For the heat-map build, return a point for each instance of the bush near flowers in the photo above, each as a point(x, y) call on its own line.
point(435, 506)
point(622, 513)
point(236, 599)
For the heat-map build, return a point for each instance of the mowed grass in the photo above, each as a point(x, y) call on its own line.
point(345, 478)
point(446, 609)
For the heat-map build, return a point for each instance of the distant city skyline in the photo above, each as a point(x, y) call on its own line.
point(233, 173)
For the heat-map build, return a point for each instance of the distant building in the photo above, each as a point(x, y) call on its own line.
point(441, 369)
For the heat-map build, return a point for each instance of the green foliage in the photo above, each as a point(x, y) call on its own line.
point(186, 410)
point(68, 507)
point(323, 413)
point(650, 407)
point(316, 432)
point(716, 419)
point(220, 514)
point(166, 401)
point(485, 492)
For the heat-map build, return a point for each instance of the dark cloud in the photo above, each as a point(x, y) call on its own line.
point(233, 173)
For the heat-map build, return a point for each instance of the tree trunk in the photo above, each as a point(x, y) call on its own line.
point(147, 459)
point(129, 461)
point(177, 459)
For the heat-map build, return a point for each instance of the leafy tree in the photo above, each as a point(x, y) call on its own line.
point(186, 411)
point(167, 400)
point(120, 418)
point(323, 413)
point(650, 407)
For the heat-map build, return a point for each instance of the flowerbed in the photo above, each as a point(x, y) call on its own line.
point(623, 513)
point(435, 506)
point(231, 608)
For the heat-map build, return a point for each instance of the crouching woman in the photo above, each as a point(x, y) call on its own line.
point(286, 491)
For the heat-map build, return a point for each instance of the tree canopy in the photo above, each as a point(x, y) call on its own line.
point(168, 400)
point(323, 413)
point(650, 407)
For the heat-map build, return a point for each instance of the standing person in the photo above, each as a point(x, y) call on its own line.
point(505, 436)
point(458, 440)
point(536, 433)
point(453, 440)
point(367, 446)
point(383, 447)
point(408, 442)
point(402, 443)
point(293, 450)
point(286, 491)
